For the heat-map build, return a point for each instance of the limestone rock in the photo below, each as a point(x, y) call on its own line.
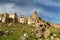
point(6, 32)
point(9, 24)
point(57, 39)
point(24, 37)
point(38, 35)
point(39, 39)
point(46, 33)
point(47, 39)
point(52, 37)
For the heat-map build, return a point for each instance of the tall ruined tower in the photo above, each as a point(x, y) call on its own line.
point(35, 15)
point(33, 19)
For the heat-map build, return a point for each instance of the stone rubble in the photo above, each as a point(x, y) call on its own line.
point(47, 33)
point(24, 37)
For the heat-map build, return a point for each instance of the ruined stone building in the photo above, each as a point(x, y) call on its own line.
point(35, 15)
point(29, 20)
point(13, 17)
point(33, 19)
point(21, 19)
point(4, 18)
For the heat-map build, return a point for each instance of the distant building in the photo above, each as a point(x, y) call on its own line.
point(21, 19)
point(35, 15)
point(33, 19)
point(29, 20)
point(13, 17)
point(4, 18)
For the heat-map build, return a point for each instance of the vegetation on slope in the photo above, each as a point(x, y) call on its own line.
point(17, 30)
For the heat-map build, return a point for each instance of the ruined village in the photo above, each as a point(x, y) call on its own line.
point(31, 28)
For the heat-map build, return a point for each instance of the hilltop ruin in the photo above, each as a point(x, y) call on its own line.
point(34, 19)
point(7, 18)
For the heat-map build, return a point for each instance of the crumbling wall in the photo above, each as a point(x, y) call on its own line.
point(22, 19)
point(0, 18)
point(13, 17)
point(4, 18)
point(33, 19)
point(29, 20)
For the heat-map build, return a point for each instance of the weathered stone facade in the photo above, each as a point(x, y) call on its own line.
point(35, 15)
point(13, 17)
point(33, 19)
point(30, 20)
point(4, 18)
point(21, 19)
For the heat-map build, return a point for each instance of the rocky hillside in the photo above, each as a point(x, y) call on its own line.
point(22, 31)
point(12, 31)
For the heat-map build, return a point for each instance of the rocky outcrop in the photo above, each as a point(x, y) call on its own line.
point(47, 33)
point(55, 25)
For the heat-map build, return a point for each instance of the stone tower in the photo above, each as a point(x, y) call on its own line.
point(35, 15)
point(33, 19)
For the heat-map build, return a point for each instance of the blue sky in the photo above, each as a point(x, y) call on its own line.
point(47, 9)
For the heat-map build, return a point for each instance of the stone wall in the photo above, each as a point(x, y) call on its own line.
point(21, 19)
point(4, 18)
point(31, 20)
point(12, 17)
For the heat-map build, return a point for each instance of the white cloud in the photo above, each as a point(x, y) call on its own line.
point(15, 0)
point(53, 3)
point(50, 3)
point(11, 7)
